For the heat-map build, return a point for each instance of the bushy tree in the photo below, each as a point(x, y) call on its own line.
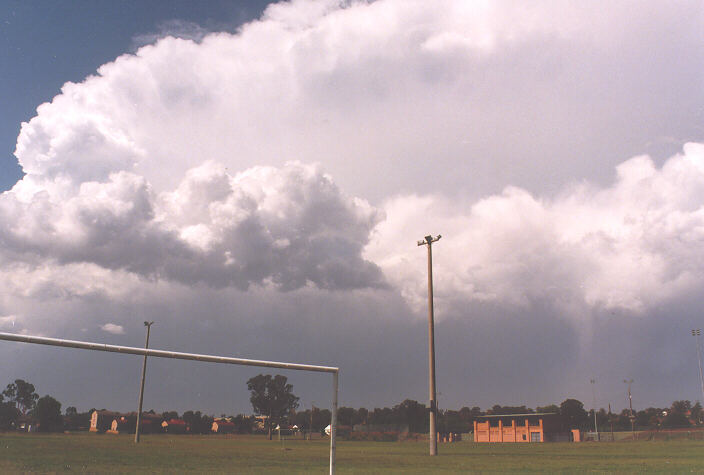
point(168, 415)
point(22, 395)
point(243, 424)
point(451, 421)
point(697, 413)
point(497, 409)
point(412, 413)
point(649, 417)
point(272, 396)
point(8, 414)
point(362, 416)
point(677, 415)
point(48, 412)
point(382, 415)
point(345, 416)
point(549, 409)
point(198, 423)
point(573, 414)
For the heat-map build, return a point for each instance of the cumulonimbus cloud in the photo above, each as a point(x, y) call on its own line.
point(629, 245)
point(153, 166)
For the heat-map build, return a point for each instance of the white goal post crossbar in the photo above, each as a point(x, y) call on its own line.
point(195, 357)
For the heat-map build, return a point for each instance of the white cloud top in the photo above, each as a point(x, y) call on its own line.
point(628, 246)
point(151, 167)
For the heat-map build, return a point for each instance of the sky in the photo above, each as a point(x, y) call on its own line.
point(254, 178)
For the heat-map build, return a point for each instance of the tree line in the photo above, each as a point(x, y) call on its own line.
point(272, 397)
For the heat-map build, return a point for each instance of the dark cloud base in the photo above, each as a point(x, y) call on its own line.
point(486, 354)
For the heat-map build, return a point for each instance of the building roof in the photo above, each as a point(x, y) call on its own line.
point(520, 415)
point(176, 422)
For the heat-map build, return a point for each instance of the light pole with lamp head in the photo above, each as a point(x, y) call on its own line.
point(696, 333)
point(433, 434)
point(630, 405)
point(596, 428)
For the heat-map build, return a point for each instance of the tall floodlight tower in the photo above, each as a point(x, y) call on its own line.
point(696, 333)
point(141, 386)
point(433, 434)
point(630, 405)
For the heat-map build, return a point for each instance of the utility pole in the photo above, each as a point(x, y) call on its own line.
point(141, 387)
point(696, 333)
point(630, 405)
point(596, 429)
point(433, 434)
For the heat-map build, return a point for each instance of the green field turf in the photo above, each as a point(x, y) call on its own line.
point(253, 454)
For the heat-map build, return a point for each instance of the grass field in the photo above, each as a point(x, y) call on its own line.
point(253, 454)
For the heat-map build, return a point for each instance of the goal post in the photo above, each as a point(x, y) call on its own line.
point(84, 345)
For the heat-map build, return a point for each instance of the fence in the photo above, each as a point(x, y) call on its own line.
point(684, 433)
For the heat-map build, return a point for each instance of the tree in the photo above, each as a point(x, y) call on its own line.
point(48, 413)
point(272, 397)
point(243, 424)
point(649, 417)
point(497, 409)
point(345, 416)
point(71, 411)
point(197, 422)
point(414, 414)
point(168, 415)
point(8, 414)
point(362, 416)
point(552, 408)
point(681, 407)
point(677, 415)
point(452, 421)
point(573, 414)
point(22, 394)
point(697, 413)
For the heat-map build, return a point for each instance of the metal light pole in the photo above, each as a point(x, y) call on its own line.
point(141, 387)
point(630, 405)
point(433, 434)
point(596, 429)
point(696, 333)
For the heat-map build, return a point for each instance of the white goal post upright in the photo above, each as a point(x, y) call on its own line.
point(195, 357)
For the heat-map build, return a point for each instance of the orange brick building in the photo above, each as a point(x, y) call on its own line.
point(539, 427)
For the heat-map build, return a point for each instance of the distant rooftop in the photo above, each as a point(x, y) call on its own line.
point(522, 415)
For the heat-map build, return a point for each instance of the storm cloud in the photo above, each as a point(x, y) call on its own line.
point(260, 193)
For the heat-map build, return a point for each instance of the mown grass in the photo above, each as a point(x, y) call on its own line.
point(91, 453)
